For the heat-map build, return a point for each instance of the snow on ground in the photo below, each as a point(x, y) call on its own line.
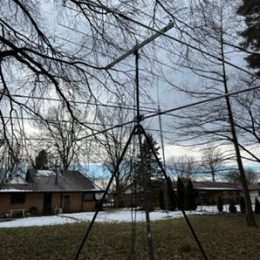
point(123, 215)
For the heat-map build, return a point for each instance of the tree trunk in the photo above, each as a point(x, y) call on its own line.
point(118, 191)
point(250, 217)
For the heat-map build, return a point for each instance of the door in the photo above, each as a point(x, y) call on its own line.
point(47, 203)
point(66, 205)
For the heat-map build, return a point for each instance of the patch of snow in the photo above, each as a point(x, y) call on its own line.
point(217, 188)
point(18, 180)
point(45, 173)
point(123, 215)
point(36, 221)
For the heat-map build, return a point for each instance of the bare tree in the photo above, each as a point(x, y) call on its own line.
point(10, 162)
point(183, 166)
point(61, 51)
point(59, 135)
point(41, 58)
point(112, 145)
point(248, 120)
point(212, 23)
point(234, 177)
point(211, 161)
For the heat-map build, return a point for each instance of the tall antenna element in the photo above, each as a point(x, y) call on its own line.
point(145, 176)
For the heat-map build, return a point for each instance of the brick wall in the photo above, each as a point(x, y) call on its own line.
point(70, 202)
point(31, 200)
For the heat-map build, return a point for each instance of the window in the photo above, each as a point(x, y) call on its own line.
point(18, 198)
point(88, 196)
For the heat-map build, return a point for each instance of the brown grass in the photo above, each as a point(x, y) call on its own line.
point(222, 236)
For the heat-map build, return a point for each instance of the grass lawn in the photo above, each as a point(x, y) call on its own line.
point(223, 237)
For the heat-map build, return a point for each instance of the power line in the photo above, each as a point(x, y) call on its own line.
point(165, 112)
point(144, 109)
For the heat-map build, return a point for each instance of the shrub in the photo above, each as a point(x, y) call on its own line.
point(33, 211)
point(232, 207)
point(180, 194)
point(190, 203)
point(171, 195)
point(220, 204)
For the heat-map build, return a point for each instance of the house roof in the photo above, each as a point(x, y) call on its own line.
point(215, 186)
point(203, 186)
point(49, 181)
point(17, 180)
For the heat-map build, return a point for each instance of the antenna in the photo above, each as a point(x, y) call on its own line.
point(140, 131)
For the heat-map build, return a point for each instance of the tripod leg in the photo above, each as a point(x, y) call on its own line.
point(105, 193)
point(141, 129)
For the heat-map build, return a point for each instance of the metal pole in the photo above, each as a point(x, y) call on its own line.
point(140, 45)
point(142, 131)
point(145, 175)
point(105, 193)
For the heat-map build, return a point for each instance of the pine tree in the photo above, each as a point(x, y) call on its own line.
point(180, 194)
point(147, 167)
point(190, 202)
point(250, 9)
point(171, 197)
point(242, 205)
point(150, 164)
point(220, 204)
point(41, 160)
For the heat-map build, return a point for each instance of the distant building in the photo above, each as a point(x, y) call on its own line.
point(46, 191)
point(207, 193)
point(133, 195)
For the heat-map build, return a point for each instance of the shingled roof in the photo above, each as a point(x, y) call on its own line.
point(217, 186)
point(50, 181)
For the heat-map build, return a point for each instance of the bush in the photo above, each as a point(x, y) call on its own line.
point(232, 207)
point(180, 194)
point(171, 195)
point(33, 211)
point(190, 203)
point(220, 204)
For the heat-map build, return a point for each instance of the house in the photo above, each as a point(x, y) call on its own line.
point(254, 191)
point(207, 193)
point(133, 195)
point(46, 191)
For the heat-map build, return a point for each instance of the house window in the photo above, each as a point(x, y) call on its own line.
point(88, 196)
point(18, 198)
